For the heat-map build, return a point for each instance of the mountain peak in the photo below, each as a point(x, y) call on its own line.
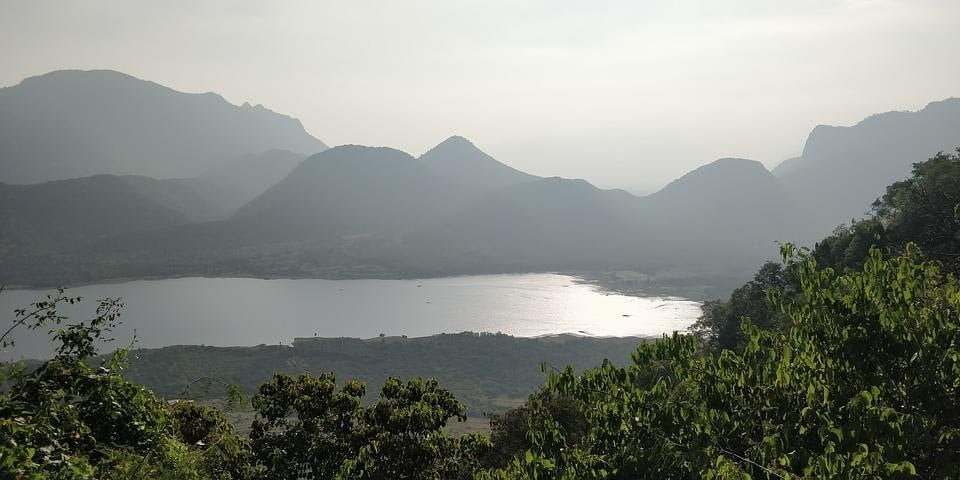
point(456, 145)
point(456, 139)
point(720, 174)
point(734, 162)
point(459, 161)
point(77, 73)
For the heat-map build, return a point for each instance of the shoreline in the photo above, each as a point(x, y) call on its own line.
point(591, 278)
point(153, 278)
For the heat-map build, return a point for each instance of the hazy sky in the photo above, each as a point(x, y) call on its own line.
point(622, 93)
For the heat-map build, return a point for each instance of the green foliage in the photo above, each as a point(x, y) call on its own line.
point(307, 428)
point(71, 419)
point(922, 210)
point(225, 454)
point(719, 325)
point(304, 424)
point(863, 384)
point(849, 246)
point(508, 431)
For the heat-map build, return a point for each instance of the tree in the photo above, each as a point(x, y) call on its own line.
point(67, 418)
point(403, 436)
point(719, 323)
point(306, 428)
point(849, 246)
point(863, 384)
point(226, 455)
point(922, 210)
point(508, 431)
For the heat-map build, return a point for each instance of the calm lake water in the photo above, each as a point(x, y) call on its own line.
point(241, 311)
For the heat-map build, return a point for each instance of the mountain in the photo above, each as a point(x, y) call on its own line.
point(723, 215)
point(68, 124)
point(236, 182)
point(365, 211)
point(351, 191)
point(842, 170)
point(355, 211)
point(731, 210)
point(547, 223)
point(459, 162)
point(64, 213)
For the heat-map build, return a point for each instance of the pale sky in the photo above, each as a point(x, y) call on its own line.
point(622, 93)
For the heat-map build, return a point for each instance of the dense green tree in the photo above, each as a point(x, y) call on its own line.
point(226, 455)
point(508, 431)
point(719, 324)
point(69, 418)
point(922, 209)
point(403, 436)
point(863, 384)
point(305, 426)
point(848, 246)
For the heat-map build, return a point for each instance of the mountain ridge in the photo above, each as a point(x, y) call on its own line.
point(458, 160)
point(75, 123)
point(355, 210)
point(875, 152)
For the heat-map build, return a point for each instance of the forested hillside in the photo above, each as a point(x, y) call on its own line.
point(848, 167)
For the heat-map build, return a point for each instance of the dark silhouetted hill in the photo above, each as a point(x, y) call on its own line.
point(844, 169)
point(238, 181)
point(64, 213)
point(355, 211)
point(729, 211)
point(69, 124)
point(351, 191)
point(547, 223)
point(459, 162)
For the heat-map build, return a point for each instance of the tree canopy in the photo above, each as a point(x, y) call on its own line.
point(863, 384)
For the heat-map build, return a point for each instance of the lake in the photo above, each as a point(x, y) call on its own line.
point(243, 311)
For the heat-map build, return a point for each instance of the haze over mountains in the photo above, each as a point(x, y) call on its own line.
point(237, 195)
point(68, 124)
point(847, 167)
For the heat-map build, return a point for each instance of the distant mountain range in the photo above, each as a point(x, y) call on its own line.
point(842, 170)
point(247, 204)
point(69, 124)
